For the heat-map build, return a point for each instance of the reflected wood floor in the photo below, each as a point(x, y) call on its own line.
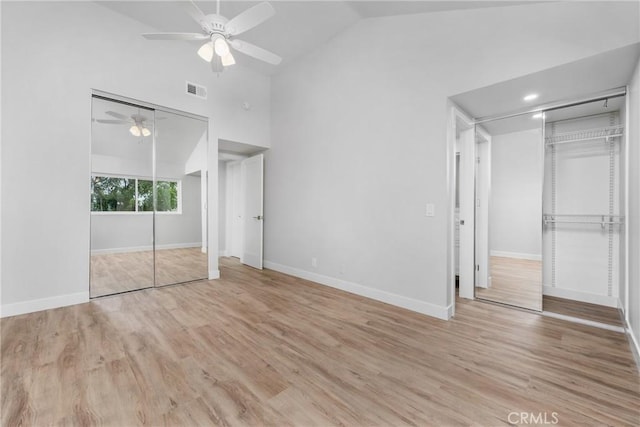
point(121, 272)
point(263, 348)
point(515, 282)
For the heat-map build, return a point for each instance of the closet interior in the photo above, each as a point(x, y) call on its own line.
point(148, 197)
point(584, 206)
point(549, 210)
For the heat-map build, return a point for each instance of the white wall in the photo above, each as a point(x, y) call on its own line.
point(48, 72)
point(516, 195)
point(359, 137)
point(633, 220)
point(222, 207)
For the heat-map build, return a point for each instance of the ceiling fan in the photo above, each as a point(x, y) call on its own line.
point(137, 122)
point(219, 33)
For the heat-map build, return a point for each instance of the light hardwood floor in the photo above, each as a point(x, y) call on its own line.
point(582, 310)
point(122, 272)
point(263, 348)
point(515, 282)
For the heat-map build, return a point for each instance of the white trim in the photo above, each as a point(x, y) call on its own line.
point(31, 306)
point(145, 248)
point(440, 312)
point(453, 112)
point(214, 274)
point(584, 321)
point(517, 255)
point(634, 344)
point(581, 296)
point(627, 266)
point(223, 252)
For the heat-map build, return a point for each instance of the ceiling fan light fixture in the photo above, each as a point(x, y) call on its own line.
point(146, 132)
point(206, 51)
point(228, 59)
point(134, 130)
point(221, 47)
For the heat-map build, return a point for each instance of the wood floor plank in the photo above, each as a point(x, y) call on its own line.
point(582, 310)
point(262, 348)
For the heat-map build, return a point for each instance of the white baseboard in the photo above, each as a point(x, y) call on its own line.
point(581, 296)
point(635, 345)
point(518, 255)
point(223, 252)
point(214, 274)
point(145, 248)
point(440, 312)
point(31, 306)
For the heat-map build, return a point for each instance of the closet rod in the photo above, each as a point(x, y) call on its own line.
point(599, 96)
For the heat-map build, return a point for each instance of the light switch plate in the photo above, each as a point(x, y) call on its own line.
point(431, 210)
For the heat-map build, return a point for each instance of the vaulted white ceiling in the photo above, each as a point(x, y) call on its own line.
point(608, 70)
point(298, 26)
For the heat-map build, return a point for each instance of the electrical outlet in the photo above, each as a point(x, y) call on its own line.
point(314, 262)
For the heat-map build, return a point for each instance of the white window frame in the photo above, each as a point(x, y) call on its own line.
point(178, 210)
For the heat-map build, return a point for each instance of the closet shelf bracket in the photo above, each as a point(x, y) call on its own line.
point(609, 133)
point(602, 220)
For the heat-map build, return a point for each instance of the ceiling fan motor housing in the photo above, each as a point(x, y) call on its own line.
point(214, 24)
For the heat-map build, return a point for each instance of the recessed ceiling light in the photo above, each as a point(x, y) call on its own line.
point(531, 97)
point(538, 116)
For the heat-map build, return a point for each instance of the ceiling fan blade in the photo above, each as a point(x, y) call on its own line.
point(194, 11)
point(118, 115)
point(255, 51)
point(113, 122)
point(250, 18)
point(175, 36)
point(216, 64)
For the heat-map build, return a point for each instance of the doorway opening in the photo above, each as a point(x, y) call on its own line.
point(241, 215)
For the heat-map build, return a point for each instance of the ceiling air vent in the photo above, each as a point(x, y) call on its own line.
point(197, 90)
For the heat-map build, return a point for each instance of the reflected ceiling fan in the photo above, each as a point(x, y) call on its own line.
point(220, 34)
point(137, 122)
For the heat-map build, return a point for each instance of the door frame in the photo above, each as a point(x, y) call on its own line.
point(455, 116)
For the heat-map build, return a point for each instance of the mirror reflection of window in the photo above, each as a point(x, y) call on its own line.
point(121, 233)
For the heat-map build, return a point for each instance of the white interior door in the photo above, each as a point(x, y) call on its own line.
point(467, 212)
point(252, 171)
point(234, 210)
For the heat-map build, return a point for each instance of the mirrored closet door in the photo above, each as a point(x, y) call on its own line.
point(148, 198)
point(180, 194)
point(508, 211)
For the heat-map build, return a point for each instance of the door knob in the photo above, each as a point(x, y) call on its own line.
point(462, 222)
point(259, 217)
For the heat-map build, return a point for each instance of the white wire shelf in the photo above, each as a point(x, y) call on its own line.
point(601, 220)
point(606, 133)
